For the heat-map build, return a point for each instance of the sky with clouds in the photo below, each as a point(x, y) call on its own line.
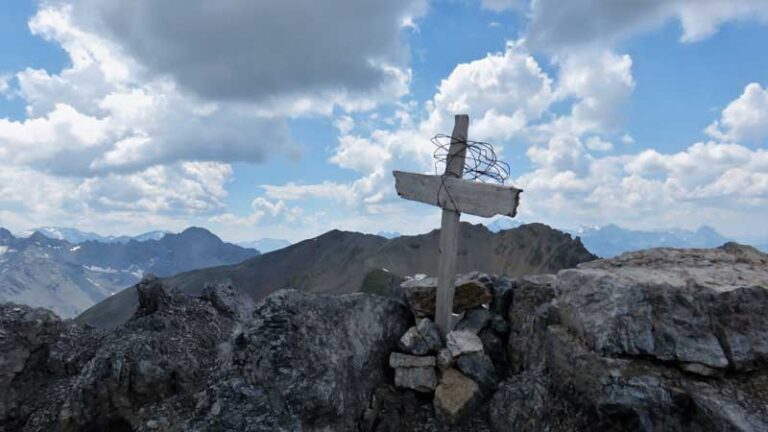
point(285, 119)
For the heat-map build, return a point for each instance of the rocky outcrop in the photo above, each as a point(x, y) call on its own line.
point(663, 339)
point(702, 309)
point(666, 339)
point(292, 362)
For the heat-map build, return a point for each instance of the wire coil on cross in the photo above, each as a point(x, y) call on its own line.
point(481, 162)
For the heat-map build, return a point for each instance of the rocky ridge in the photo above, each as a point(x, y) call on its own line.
point(663, 339)
point(339, 262)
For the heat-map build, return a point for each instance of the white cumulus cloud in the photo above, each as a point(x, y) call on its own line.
point(744, 119)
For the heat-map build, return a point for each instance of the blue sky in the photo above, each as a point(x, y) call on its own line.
point(286, 121)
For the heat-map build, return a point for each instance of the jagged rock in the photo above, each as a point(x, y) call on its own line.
point(152, 295)
point(227, 299)
point(479, 367)
point(445, 359)
point(300, 344)
point(463, 342)
point(470, 292)
point(189, 364)
point(474, 320)
point(700, 306)
point(24, 335)
point(398, 360)
point(421, 379)
point(421, 339)
point(456, 396)
point(529, 316)
point(23, 330)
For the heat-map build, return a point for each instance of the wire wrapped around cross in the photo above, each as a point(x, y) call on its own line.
point(481, 162)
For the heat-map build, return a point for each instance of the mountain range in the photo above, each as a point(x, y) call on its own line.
point(611, 240)
point(75, 236)
point(337, 262)
point(68, 278)
point(68, 270)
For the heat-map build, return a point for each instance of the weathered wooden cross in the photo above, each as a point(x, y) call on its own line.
point(455, 195)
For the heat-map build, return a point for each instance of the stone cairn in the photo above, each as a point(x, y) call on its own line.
point(460, 370)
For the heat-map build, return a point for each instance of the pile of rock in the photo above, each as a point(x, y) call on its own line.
point(460, 370)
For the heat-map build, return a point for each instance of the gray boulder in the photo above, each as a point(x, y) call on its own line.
point(321, 357)
point(697, 306)
point(663, 339)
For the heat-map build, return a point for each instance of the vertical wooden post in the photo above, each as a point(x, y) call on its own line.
point(449, 229)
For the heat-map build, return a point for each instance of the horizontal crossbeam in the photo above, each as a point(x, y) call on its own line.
point(464, 196)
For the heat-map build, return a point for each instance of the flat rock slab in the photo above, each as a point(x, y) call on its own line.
point(399, 360)
point(421, 379)
point(691, 306)
point(470, 293)
point(456, 396)
point(463, 342)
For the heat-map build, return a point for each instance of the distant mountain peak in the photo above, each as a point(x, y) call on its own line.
point(196, 230)
point(611, 240)
point(40, 237)
point(388, 234)
point(502, 223)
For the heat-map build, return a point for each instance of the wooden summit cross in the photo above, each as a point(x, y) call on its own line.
point(455, 196)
